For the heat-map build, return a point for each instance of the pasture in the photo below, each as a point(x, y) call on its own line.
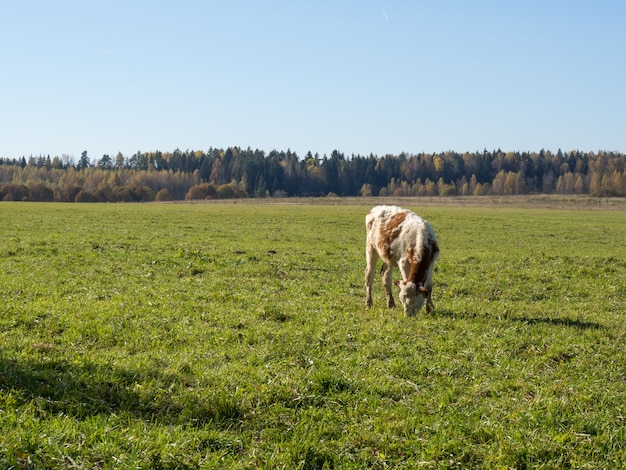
point(235, 336)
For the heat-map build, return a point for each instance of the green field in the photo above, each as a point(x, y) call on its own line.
point(172, 336)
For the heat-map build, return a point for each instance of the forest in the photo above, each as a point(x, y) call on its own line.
point(241, 173)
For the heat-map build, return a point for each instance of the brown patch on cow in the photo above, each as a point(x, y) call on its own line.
point(419, 269)
point(389, 231)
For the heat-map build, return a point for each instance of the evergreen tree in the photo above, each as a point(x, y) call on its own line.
point(105, 163)
point(84, 161)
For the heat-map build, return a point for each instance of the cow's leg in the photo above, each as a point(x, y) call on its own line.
point(429, 302)
point(387, 281)
point(429, 287)
point(371, 257)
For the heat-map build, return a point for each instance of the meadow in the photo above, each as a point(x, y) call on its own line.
point(199, 336)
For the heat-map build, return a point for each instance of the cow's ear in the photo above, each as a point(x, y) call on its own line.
point(396, 282)
point(423, 290)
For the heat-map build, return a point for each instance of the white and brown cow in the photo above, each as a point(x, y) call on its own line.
point(401, 238)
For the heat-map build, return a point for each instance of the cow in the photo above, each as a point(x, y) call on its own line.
point(401, 238)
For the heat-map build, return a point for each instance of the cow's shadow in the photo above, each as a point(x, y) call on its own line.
point(580, 324)
point(566, 322)
point(58, 387)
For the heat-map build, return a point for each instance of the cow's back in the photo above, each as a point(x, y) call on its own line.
point(391, 229)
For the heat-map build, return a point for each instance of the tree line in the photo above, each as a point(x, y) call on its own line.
point(236, 173)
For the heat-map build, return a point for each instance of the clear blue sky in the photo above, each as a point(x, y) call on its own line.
point(357, 76)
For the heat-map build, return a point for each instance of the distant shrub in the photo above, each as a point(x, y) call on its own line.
point(448, 190)
point(201, 191)
point(124, 194)
point(230, 191)
point(482, 190)
point(366, 190)
point(40, 192)
point(84, 196)
point(103, 194)
point(13, 192)
point(144, 194)
point(70, 192)
point(163, 195)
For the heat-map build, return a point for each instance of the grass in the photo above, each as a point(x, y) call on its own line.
point(235, 336)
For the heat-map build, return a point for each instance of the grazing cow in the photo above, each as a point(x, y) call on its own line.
point(401, 238)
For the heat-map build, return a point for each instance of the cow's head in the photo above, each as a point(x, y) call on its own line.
point(412, 296)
